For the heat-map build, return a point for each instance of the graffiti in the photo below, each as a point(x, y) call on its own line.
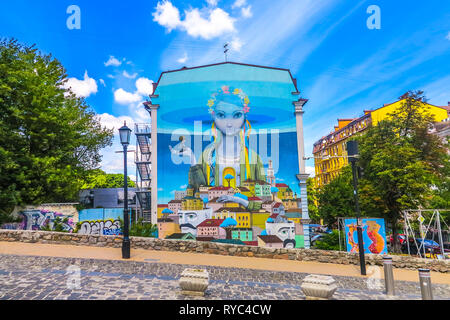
point(12, 226)
point(101, 227)
point(39, 219)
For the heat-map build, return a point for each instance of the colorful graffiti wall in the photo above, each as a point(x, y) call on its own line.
point(39, 219)
point(227, 149)
point(374, 235)
point(100, 221)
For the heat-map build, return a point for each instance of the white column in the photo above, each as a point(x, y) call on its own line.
point(154, 160)
point(303, 176)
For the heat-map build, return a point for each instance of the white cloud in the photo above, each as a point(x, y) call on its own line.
point(144, 86)
point(236, 44)
point(102, 82)
point(82, 88)
point(218, 23)
point(129, 76)
point(183, 59)
point(212, 2)
point(448, 36)
point(124, 97)
point(112, 62)
point(311, 171)
point(247, 12)
point(167, 15)
point(239, 4)
point(112, 122)
point(195, 24)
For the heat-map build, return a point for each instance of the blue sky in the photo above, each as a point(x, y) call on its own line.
point(341, 65)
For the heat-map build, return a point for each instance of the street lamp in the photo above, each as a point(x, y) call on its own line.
point(125, 135)
point(352, 150)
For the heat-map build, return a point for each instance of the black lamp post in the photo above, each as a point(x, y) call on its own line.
point(125, 134)
point(352, 150)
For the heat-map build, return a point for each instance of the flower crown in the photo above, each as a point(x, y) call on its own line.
point(229, 90)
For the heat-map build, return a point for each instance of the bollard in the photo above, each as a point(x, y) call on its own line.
point(425, 284)
point(388, 276)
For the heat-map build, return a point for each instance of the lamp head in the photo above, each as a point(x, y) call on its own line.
point(125, 135)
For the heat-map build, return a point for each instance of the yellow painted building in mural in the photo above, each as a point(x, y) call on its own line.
point(330, 153)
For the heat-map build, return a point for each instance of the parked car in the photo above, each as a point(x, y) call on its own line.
point(401, 238)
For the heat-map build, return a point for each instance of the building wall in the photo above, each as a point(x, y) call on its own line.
point(328, 168)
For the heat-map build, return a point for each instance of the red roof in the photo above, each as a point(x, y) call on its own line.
point(220, 189)
point(211, 223)
point(277, 205)
point(251, 243)
point(282, 185)
point(274, 216)
point(163, 205)
point(254, 199)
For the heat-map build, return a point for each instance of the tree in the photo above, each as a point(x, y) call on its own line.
point(98, 179)
point(401, 161)
point(49, 138)
point(313, 209)
point(336, 198)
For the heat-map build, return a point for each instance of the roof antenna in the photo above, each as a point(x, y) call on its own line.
point(225, 51)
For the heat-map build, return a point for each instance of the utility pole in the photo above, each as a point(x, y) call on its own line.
point(352, 149)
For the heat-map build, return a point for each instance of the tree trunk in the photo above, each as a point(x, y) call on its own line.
point(395, 244)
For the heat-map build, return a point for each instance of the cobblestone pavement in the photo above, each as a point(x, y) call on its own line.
point(45, 278)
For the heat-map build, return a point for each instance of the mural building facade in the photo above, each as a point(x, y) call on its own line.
point(227, 154)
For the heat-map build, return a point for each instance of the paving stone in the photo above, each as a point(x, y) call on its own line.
point(43, 278)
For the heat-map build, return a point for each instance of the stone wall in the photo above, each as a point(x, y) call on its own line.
point(337, 257)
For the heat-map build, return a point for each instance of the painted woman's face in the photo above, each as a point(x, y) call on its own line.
point(229, 118)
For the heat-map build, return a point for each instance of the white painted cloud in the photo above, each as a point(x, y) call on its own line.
point(124, 97)
point(206, 24)
point(144, 86)
point(247, 12)
point(239, 4)
point(82, 88)
point(129, 76)
point(112, 62)
point(183, 59)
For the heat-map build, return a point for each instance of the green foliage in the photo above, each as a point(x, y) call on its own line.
point(141, 229)
point(49, 138)
point(402, 161)
point(98, 179)
point(312, 195)
point(58, 225)
point(336, 198)
point(330, 241)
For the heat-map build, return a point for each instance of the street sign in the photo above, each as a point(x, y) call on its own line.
point(421, 219)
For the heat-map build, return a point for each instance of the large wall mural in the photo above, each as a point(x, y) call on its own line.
point(227, 149)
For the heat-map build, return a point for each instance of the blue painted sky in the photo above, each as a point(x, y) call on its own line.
point(341, 65)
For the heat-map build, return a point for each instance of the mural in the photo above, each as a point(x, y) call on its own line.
point(40, 219)
point(374, 235)
point(227, 148)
